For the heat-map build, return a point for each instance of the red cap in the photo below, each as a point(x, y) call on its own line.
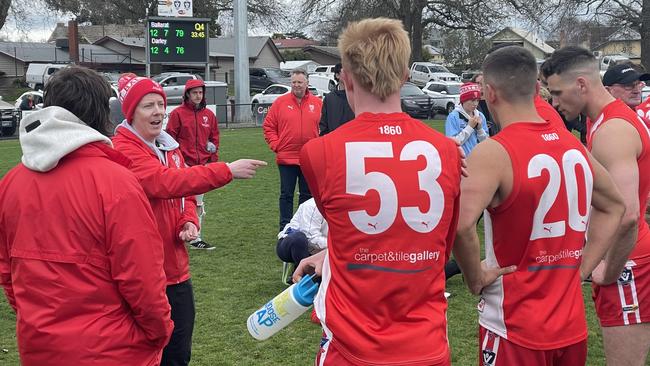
point(469, 91)
point(133, 88)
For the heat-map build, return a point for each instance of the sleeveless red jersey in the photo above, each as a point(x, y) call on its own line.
point(388, 186)
point(618, 109)
point(643, 110)
point(540, 228)
point(548, 113)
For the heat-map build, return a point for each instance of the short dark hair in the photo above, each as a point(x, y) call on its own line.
point(84, 93)
point(565, 59)
point(512, 70)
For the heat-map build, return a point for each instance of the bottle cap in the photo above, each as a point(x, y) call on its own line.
point(305, 290)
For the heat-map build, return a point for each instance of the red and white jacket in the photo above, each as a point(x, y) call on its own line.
point(290, 124)
point(81, 261)
point(170, 187)
point(193, 127)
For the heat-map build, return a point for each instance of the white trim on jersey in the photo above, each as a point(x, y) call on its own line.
point(595, 126)
point(492, 317)
point(319, 306)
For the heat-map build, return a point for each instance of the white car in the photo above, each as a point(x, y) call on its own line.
point(446, 95)
point(423, 72)
point(271, 93)
point(37, 94)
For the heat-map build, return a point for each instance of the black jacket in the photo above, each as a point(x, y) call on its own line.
point(336, 111)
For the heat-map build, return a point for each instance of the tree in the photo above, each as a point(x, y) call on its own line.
point(4, 10)
point(267, 12)
point(294, 55)
point(475, 15)
point(465, 49)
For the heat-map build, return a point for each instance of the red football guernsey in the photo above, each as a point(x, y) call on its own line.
point(618, 109)
point(540, 228)
point(643, 110)
point(547, 112)
point(389, 188)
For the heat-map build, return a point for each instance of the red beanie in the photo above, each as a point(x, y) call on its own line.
point(469, 91)
point(132, 89)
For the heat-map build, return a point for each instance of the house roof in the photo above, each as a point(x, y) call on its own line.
point(99, 54)
point(219, 47)
point(226, 46)
point(294, 43)
point(327, 50)
point(290, 65)
point(34, 52)
point(91, 33)
point(529, 36)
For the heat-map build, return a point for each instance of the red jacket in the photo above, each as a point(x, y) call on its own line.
point(289, 125)
point(81, 263)
point(194, 127)
point(171, 190)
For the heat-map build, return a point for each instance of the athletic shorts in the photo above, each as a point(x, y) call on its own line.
point(497, 351)
point(627, 301)
point(328, 355)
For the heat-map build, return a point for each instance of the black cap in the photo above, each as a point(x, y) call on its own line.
point(623, 74)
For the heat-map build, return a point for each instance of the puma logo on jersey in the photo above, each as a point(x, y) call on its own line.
point(547, 229)
point(426, 224)
point(290, 107)
point(550, 136)
point(374, 226)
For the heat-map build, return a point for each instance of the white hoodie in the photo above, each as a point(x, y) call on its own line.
point(54, 132)
point(310, 221)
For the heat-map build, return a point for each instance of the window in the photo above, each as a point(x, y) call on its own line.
point(170, 82)
point(410, 90)
point(183, 79)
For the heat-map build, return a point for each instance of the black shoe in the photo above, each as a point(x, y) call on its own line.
point(201, 245)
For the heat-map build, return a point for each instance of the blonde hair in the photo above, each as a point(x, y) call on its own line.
point(376, 52)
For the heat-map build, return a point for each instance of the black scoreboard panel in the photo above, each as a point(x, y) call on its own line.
point(177, 40)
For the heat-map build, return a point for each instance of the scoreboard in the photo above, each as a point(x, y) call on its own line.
point(177, 40)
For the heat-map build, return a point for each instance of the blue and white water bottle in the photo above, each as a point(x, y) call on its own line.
point(283, 309)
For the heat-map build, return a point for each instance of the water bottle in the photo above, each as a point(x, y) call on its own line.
point(283, 309)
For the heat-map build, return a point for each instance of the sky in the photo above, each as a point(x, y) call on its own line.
point(29, 20)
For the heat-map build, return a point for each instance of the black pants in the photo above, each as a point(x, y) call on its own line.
point(293, 248)
point(179, 349)
point(288, 176)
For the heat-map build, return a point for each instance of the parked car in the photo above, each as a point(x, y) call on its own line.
point(323, 82)
point(446, 95)
point(468, 75)
point(9, 118)
point(173, 84)
point(37, 74)
point(37, 94)
point(415, 102)
point(270, 94)
point(262, 78)
point(423, 72)
point(326, 70)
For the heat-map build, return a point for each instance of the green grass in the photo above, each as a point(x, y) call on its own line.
point(244, 272)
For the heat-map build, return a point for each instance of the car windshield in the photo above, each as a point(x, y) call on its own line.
point(453, 89)
point(277, 73)
point(438, 68)
point(158, 78)
point(410, 90)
